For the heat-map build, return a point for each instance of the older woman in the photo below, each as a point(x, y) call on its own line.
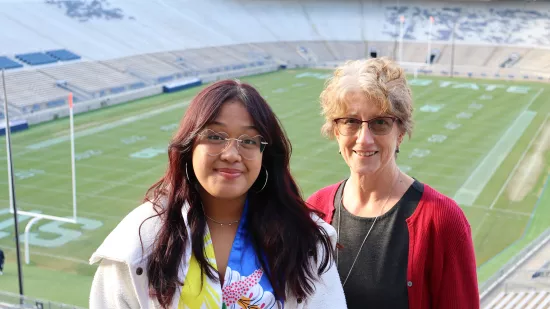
point(401, 243)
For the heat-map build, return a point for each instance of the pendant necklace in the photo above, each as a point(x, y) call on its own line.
point(365, 239)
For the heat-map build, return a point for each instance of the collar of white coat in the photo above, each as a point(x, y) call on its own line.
point(133, 238)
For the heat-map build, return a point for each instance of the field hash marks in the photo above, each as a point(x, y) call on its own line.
point(474, 185)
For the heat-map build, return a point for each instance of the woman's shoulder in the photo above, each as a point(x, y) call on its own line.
point(129, 240)
point(322, 200)
point(444, 212)
point(324, 192)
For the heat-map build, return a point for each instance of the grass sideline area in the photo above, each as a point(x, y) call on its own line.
point(463, 127)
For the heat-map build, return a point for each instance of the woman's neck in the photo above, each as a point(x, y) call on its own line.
point(222, 210)
point(367, 195)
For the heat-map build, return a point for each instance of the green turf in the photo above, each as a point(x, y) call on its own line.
point(110, 182)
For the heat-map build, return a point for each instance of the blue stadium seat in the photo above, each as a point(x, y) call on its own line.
point(63, 55)
point(36, 58)
point(7, 63)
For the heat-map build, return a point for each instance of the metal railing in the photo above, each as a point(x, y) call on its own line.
point(15, 301)
point(497, 278)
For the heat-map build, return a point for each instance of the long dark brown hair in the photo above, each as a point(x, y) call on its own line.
point(284, 235)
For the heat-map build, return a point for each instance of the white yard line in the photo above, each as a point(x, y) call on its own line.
point(68, 210)
point(479, 178)
point(107, 126)
point(60, 257)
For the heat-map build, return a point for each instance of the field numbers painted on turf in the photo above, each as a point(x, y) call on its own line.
point(491, 87)
point(314, 75)
point(431, 108)
point(51, 234)
point(7, 224)
point(475, 106)
point(471, 86)
point(464, 115)
point(419, 153)
point(452, 125)
point(20, 175)
point(279, 90)
point(66, 232)
point(169, 127)
point(87, 154)
point(133, 139)
point(437, 138)
point(486, 97)
point(518, 89)
point(298, 85)
point(421, 82)
point(148, 153)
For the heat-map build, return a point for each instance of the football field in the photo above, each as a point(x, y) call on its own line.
point(484, 143)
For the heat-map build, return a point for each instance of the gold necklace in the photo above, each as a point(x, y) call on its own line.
point(221, 223)
point(365, 239)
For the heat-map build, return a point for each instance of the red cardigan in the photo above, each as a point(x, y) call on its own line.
point(441, 270)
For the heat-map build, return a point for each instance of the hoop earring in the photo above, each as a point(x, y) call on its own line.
point(265, 183)
point(186, 173)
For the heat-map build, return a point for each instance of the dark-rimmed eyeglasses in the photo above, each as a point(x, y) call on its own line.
point(378, 126)
point(249, 147)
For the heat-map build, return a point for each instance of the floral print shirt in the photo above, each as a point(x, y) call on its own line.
point(245, 286)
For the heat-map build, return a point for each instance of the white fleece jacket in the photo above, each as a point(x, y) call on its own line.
point(121, 278)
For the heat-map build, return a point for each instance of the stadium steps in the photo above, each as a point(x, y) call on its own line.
point(521, 300)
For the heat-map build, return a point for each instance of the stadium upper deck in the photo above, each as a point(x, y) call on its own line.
point(120, 45)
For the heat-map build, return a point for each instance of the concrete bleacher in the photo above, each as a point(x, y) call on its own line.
point(32, 91)
point(127, 45)
point(521, 300)
point(121, 28)
point(93, 79)
point(502, 24)
point(146, 67)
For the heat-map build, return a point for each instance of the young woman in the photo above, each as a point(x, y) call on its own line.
point(402, 244)
point(226, 226)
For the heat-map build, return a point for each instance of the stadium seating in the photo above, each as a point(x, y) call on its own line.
point(121, 28)
point(63, 55)
point(92, 79)
point(136, 44)
point(7, 63)
point(521, 299)
point(31, 91)
point(36, 58)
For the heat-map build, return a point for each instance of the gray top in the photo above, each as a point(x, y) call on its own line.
point(379, 277)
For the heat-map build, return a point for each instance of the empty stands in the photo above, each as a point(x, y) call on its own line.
point(32, 91)
point(92, 79)
point(147, 68)
point(36, 58)
point(104, 30)
point(63, 55)
point(126, 44)
point(6, 63)
point(521, 299)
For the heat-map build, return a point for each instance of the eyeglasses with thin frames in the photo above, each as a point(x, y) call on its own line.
point(349, 126)
point(249, 147)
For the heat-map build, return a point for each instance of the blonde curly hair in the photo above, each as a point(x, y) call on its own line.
point(380, 80)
